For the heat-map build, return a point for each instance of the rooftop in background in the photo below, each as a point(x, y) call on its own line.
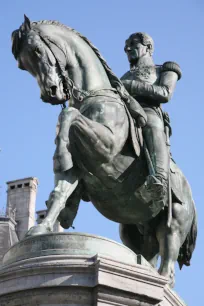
point(22, 182)
point(2, 212)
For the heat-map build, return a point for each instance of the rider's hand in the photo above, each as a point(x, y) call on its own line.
point(127, 84)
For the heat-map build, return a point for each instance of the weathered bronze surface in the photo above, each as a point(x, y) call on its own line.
point(101, 155)
point(152, 85)
point(68, 244)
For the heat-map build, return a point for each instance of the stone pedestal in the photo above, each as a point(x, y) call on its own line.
point(79, 269)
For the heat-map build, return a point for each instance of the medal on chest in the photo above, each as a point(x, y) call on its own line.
point(144, 73)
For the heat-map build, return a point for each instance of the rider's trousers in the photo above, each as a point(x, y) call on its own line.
point(155, 139)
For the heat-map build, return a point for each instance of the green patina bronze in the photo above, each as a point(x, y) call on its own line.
point(111, 145)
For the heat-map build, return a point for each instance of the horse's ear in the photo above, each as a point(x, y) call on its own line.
point(27, 24)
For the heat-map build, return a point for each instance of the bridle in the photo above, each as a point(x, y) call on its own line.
point(69, 87)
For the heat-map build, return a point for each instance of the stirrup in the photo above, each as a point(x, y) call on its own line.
point(156, 207)
point(155, 188)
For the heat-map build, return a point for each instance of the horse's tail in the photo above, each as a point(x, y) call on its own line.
point(189, 244)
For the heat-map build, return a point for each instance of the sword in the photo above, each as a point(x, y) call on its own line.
point(169, 183)
point(149, 161)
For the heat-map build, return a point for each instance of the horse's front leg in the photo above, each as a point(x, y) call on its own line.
point(65, 184)
point(100, 137)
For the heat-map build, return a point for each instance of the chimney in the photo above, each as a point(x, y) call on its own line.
point(21, 200)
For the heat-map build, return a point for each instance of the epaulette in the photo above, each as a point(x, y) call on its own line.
point(172, 66)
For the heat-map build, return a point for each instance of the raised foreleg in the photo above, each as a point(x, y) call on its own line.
point(99, 137)
point(93, 138)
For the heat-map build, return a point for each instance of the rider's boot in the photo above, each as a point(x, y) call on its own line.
point(155, 186)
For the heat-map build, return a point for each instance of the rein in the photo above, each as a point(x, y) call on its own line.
point(69, 87)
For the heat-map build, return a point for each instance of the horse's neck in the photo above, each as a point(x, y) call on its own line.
point(84, 67)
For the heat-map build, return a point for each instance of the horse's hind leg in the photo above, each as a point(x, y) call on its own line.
point(170, 241)
point(145, 244)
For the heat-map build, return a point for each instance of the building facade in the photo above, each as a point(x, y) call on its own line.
point(20, 213)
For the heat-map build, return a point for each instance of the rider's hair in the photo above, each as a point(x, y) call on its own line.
point(144, 38)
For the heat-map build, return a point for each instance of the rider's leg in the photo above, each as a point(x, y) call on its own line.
point(156, 143)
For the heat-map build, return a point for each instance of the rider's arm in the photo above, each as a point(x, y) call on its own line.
point(170, 74)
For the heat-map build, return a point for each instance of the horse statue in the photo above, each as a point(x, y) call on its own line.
point(100, 154)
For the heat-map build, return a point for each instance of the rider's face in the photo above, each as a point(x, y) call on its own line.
point(135, 50)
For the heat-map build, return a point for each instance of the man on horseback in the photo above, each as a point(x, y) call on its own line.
point(151, 85)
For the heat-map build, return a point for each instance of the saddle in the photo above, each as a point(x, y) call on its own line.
point(176, 182)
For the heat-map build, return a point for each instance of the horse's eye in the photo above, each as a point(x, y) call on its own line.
point(37, 51)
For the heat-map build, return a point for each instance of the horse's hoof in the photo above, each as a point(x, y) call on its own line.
point(38, 230)
point(155, 188)
point(172, 280)
point(170, 276)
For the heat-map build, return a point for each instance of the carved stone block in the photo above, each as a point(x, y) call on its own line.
point(79, 269)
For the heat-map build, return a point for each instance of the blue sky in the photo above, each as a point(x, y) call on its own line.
point(28, 126)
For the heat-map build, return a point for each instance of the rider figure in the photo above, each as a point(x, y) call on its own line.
point(151, 85)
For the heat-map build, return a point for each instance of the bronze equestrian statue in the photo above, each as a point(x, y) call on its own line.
point(101, 155)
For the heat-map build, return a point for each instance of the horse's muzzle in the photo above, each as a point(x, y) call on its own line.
point(53, 100)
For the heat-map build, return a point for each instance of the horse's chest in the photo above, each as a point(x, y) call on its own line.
point(105, 110)
point(94, 111)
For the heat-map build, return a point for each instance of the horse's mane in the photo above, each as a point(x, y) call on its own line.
point(112, 77)
point(114, 80)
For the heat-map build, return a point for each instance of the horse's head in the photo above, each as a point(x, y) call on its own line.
point(43, 58)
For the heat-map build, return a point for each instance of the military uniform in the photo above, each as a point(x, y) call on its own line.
point(151, 86)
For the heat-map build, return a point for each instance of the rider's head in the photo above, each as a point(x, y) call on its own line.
point(138, 45)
